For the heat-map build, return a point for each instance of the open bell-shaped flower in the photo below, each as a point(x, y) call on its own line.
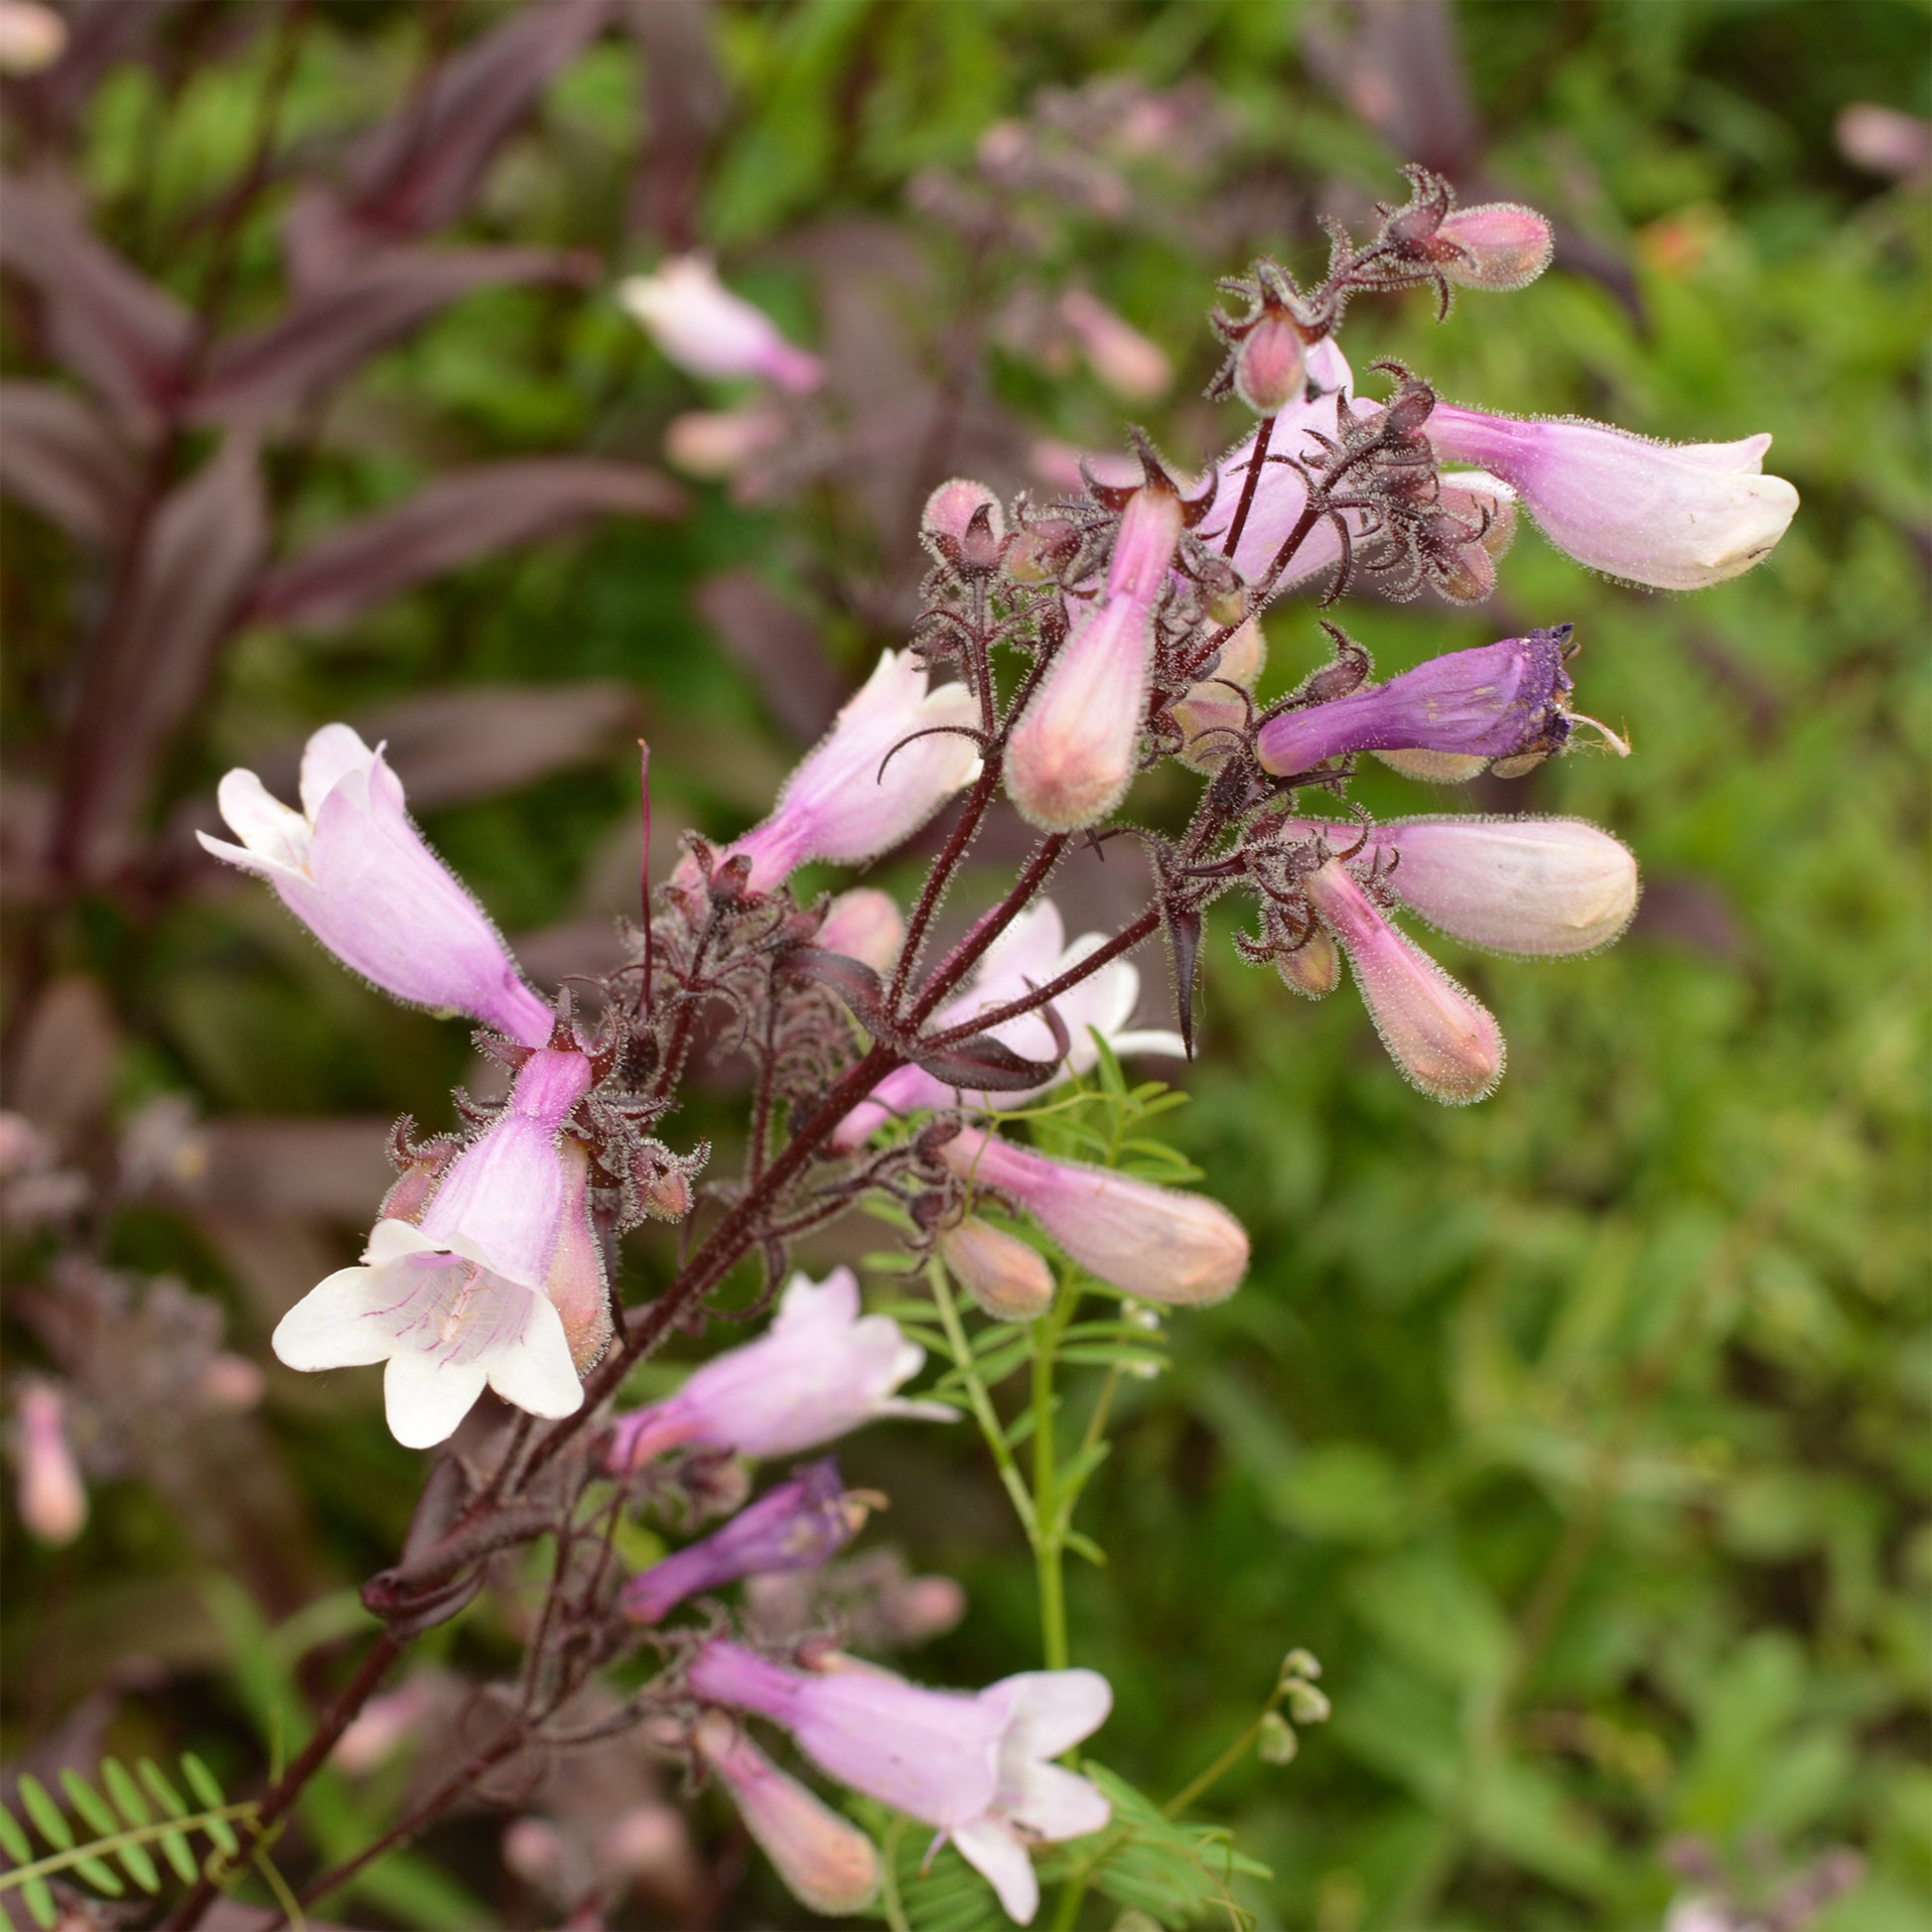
point(1445, 1041)
point(1676, 517)
point(1160, 1244)
point(354, 870)
point(1032, 952)
point(826, 1862)
point(980, 1769)
point(463, 1300)
point(894, 755)
point(821, 1370)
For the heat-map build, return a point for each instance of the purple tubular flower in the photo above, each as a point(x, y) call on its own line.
point(980, 1769)
point(1501, 701)
point(821, 1370)
point(465, 1298)
point(797, 1526)
point(1672, 516)
point(355, 872)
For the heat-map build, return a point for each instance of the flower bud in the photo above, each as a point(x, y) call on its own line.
point(863, 925)
point(1507, 700)
point(32, 37)
point(705, 328)
point(650, 1846)
point(712, 444)
point(383, 1725)
point(826, 1862)
point(230, 1383)
point(1483, 503)
point(1498, 245)
point(1673, 516)
point(52, 1499)
point(1545, 888)
point(968, 517)
point(1005, 1277)
point(796, 1526)
point(1277, 1743)
point(1208, 711)
point(1270, 364)
point(1156, 1243)
point(534, 1850)
point(1073, 752)
point(1134, 368)
point(576, 1284)
point(1445, 1041)
point(1313, 968)
point(662, 1181)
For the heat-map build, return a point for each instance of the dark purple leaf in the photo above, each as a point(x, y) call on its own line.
point(778, 645)
point(418, 171)
point(685, 104)
point(1184, 927)
point(982, 1063)
point(460, 515)
point(326, 333)
point(58, 457)
point(105, 320)
point(851, 979)
point(196, 566)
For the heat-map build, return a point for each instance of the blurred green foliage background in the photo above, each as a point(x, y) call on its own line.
point(1582, 1434)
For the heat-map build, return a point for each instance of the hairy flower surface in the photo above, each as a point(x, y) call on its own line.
point(705, 328)
point(1032, 952)
point(826, 1862)
point(979, 1767)
point(1675, 517)
point(821, 1370)
point(462, 1301)
point(354, 870)
point(840, 804)
point(1501, 701)
point(796, 1526)
point(1158, 1243)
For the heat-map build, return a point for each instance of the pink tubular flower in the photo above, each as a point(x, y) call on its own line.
point(1673, 516)
point(1156, 1243)
point(1543, 888)
point(826, 1862)
point(706, 330)
point(1005, 1277)
point(52, 1497)
point(820, 1371)
point(1073, 754)
point(1499, 245)
point(1501, 701)
point(463, 1300)
point(354, 868)
point(799, 1525)
point(978, 1767)
point(863, 925)
point(839, 805)
point(1445, 1041)
point(1030, 952)
point(1134, 368)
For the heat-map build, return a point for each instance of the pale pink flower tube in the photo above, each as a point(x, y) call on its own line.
point(1156, 1243)
point(1673, 516)
point(52, 1497)
point(1542, 887)
point(462, 1301)
point(354, 870)
point(706, 330)
point(1445, 1041)
point(826, 1862)
point(840, 804)
point(979, 1767)
point(1072, 755)
point(821, 1370)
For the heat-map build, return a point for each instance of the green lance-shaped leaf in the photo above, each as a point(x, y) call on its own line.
point(129, 1801)
point(203, 1783)
point(174, 1845)
point(99, 1815)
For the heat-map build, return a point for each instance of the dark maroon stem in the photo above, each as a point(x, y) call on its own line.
point(1264, 430)
point(1123, 940)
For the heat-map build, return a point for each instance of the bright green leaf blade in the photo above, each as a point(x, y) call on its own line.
point(163, 1793)
point(40, 1902)
point(90, 1804)
point(13, 1841)
point(46, 1814)
point(125, 1793)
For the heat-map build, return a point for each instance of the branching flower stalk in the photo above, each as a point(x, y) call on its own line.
point(887, 1070)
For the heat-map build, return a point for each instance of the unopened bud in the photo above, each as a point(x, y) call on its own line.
point(52, 1497)
point(1313, 968)
point(1134, 368)
point(1469, 576)
point(1276, 1743)
point(863, 925)
point(1444, 1039)
point(577, 1286)
point(1308, 1705)
point(650, 1846)
point(1498, 245)
point(969, 517)
point(1005, 1277)
point(232, 1382)
point(1302, 1663)
point(533, 1849)
point(662, 1181)
point(827, 1864)
point(710, 443)
point(1483, 503)
point(383, 1725)
point(1270, 366)
point(32, 37)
